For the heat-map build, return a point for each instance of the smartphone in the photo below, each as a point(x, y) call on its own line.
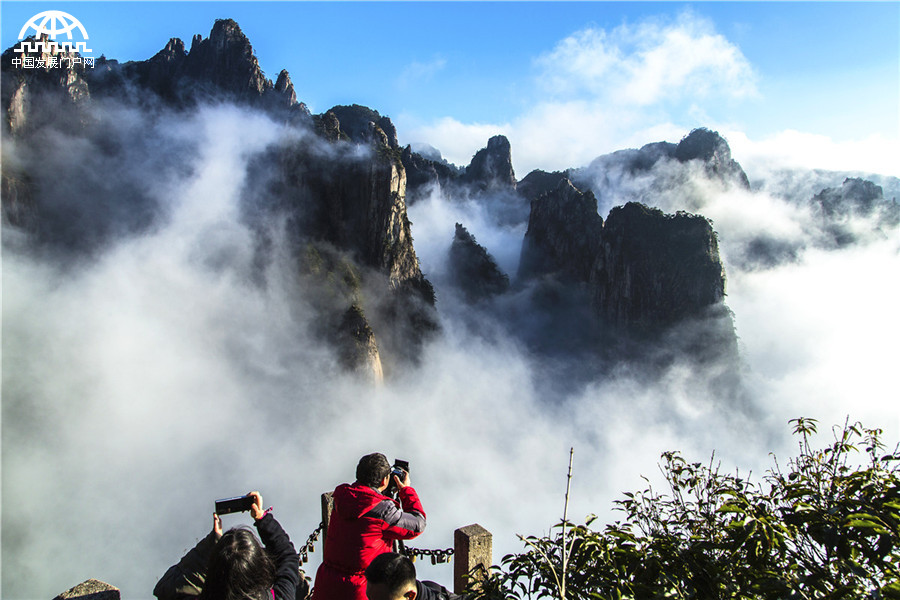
point(232, 505)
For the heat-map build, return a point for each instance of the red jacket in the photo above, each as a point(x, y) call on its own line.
point(363, 525)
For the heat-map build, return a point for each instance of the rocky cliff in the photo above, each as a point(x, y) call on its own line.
point(221, 65)
point(425, 172)
point(644, 269)
point(490, 171)
point(491, 167)
point(473, 270)
point(341, 189)
point(701, 147)
point(353, 199)
point(56, 80)
point(563, 236)
point(713, 152)
point(539, 182)
point(33, 98)
point(656, 269)
point(837, 209)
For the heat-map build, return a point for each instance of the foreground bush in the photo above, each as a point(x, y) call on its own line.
point(825, 526)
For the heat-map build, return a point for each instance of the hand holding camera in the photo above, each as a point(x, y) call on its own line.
point(398, 478)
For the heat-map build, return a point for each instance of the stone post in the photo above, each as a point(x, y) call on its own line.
point(327, 508)
point(472, 555)
point(92, 589)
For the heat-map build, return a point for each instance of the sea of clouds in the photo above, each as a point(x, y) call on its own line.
point(163, 367)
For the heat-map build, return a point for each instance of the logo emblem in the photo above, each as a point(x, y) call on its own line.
point(59, 40)
point(53, 23)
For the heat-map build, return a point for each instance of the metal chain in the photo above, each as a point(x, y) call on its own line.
point(437, 556)
point(310, 545)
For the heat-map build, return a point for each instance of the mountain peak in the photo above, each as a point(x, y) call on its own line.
point(711, 148)
point(491, 167)
point(563, 234)
point(472, 269)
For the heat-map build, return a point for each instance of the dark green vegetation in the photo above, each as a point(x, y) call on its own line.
point(826, 526)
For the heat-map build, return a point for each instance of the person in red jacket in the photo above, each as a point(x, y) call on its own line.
point(363, 525)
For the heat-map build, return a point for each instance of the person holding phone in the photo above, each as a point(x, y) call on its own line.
point(235, 564)
point(364, 524)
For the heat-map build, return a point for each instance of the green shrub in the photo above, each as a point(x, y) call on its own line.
point(825, 526)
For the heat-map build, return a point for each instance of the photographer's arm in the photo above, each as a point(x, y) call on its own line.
point(402, 524)
point(279, 545)
point(187, 577)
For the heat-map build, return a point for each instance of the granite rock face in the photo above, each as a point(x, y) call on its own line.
point(563, 236)
point(855, 197)
point(839, 210)
point(340, 184)
point(221, 65)
point(490, 173)
point(59, 84)
point(424, 172)
point(644, 269)
point(713, 151)
point(363, 125)
point(350, 196)
point(473, 270)
point(353, 196)
point(701, 146)
point(491, 167)
point(656, 269)
point(53, 93)
point(357, 345)
point(539, 182)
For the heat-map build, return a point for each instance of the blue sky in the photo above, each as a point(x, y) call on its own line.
point(813, 84)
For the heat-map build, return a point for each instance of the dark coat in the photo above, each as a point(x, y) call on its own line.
point(185, 579)
point(429, 590)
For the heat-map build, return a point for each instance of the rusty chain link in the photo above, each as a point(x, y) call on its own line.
point(437, 556)
point(310, 545)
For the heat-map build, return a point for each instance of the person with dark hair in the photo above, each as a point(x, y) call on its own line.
point(235, 565)
point(363, 525)
point(392, 576)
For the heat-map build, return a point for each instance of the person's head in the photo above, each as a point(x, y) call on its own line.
point(391, 576)
point(239, 568)
point(373, 469)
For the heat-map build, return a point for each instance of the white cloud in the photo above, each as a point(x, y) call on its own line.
point(796, 149)
point(551, 136)
point(648, 63)
point(559, 135)
point(418, 71)
point(600, 91)
point(821, 334)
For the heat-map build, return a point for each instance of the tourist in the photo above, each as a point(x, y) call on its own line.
point(235, 564)
point(364, 524)
point(392, 576)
